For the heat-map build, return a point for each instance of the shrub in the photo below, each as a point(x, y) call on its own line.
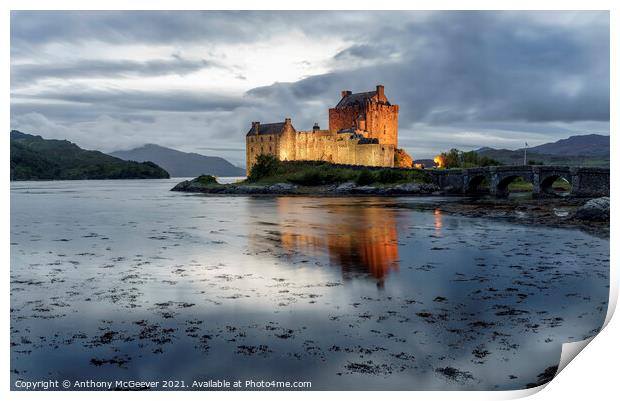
point(265, 166)
point(457, 159)
point(206, 180)
point(365, 177)
point(317, 176)
point(487, 161)
point(389, 176)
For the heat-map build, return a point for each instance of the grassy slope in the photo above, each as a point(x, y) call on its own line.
point(35, 158)
point(323, 173)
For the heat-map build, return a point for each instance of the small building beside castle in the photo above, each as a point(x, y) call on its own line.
point(363, 130)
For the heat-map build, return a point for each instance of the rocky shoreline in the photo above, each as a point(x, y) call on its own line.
point(591, 215)
point(347, 188)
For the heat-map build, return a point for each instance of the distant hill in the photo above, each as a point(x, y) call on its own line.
point(580, 150)
point(428, 163)
point(181, 164)
point(35, 158)
point(578, 145)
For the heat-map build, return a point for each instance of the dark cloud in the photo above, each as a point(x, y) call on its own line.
point(478, 67)
point(138, 101)
point(33, 28)
point(365, 52)
point(239, 149)
point(39, 27)
point(31, 73)
point(478, 78)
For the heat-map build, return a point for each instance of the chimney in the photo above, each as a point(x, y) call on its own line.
point(256, 127)
point(380, 91)
point(316, 127)
point(287, 121)
point(345, 93)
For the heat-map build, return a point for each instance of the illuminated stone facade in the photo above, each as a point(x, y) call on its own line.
point(363, 130)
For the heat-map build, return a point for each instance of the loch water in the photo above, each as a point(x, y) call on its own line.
point(128, 280)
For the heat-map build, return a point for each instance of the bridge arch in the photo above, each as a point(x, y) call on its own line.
point(501, 188)
point(476, 184)
point(546, 184)
point(585, 181)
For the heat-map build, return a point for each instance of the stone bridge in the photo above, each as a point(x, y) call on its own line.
point(585, 181)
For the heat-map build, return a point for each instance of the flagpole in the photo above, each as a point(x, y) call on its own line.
point(525, 155)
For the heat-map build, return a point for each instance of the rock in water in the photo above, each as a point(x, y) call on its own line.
point(346, 187)
point(594, 210)
point(281, 188)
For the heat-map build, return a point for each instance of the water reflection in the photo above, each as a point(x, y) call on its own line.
point(438, 223)
point(126, 280)
point(358, 240)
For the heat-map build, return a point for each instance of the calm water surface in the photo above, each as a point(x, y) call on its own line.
point(127, 280)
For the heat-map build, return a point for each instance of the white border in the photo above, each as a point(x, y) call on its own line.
point(593, 375)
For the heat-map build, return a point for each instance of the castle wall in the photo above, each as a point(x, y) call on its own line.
point(318, 145)
point(260, 144)
point(367, 114)
point(343, 118)
point(340, 149)
point(382, 123)
point(380, 120)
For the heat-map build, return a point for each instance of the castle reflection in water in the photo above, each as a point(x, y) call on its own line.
point(360, 240)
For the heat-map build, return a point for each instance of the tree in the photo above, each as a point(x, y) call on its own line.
point(265, 166)
point(457, 159)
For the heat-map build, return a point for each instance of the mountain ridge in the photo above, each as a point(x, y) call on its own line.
point(36, 158)
point(576, 145)
point(181, 164)
point(578, 150)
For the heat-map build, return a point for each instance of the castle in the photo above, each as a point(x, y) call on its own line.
point(363, 130)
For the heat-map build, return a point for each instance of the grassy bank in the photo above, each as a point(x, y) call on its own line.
point(520, 185)
point(269, 170)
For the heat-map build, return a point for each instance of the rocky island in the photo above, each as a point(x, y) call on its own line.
point(270, 176)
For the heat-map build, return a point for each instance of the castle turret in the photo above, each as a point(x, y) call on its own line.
point(381, 93)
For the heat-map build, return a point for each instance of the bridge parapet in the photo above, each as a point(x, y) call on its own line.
point(590, 181)
point(585, 181)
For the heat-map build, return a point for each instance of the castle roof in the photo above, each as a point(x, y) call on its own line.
point(268, 129)
point(352, 99)
point(356, 98)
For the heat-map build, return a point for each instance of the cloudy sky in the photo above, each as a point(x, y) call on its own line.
point(195, 80)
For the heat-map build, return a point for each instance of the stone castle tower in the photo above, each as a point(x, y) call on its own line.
point(363, 130)
point(369, 112)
